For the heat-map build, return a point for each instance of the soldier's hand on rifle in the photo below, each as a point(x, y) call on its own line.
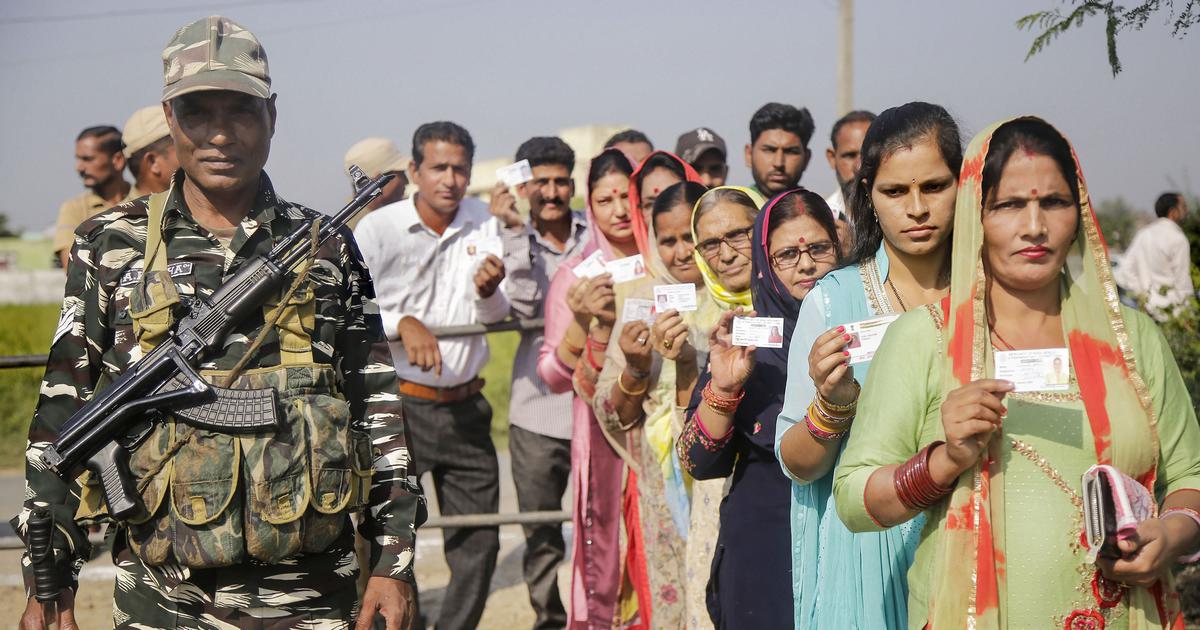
point(488, 276)
point(420, 344)
point(39, 616)
point(389, 598)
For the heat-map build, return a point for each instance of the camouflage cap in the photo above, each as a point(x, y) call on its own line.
point(376, 156)
point(215, 53)
point(145, 127)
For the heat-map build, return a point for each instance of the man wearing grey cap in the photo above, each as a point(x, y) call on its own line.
point(705, 151)
point(239, 531)
point(149, 151)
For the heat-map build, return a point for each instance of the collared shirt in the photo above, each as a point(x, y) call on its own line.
point(530, 262)
point(421, 274)
point(1157, 267)
point(78, 209)
point(837, 204)
point(95, 342)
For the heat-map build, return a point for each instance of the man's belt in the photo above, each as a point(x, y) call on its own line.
point(441, 394)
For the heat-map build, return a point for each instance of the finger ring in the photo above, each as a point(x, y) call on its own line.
point(641, 340)
point(667, 344)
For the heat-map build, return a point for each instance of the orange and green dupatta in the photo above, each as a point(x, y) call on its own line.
point(968, 580)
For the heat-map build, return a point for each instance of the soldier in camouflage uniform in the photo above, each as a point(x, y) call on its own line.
point(247, 530)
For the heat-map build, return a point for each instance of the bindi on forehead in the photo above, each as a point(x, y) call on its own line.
point(1033, 193)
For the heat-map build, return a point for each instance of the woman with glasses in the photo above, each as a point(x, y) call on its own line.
point(774, 257)
point(902, 208)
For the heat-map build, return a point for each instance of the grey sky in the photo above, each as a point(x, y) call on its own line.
point(509, 70)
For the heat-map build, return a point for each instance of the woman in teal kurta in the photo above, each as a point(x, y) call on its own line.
point(842, 579)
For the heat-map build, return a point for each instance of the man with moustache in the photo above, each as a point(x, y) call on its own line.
point(845, 155)
point(539, 420)
point(778, 151)
point(429, 258)
point(251, 530)
point(99, 162)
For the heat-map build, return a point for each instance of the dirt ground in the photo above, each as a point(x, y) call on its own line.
point(507, 608)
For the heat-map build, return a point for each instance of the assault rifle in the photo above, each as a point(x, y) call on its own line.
point(96, 437)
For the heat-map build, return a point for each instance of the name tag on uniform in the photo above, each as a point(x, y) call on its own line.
point(176, 269)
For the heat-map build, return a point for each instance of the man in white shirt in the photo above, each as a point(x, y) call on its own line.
point(433, 258)
point(1156, 269)
point(845, 156)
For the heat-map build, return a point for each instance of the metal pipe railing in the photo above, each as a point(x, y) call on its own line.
point(520, 325)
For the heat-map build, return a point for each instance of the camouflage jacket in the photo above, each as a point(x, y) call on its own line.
point(95, 336)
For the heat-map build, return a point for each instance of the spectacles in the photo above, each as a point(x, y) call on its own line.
point(737, 239)
point(788, 257)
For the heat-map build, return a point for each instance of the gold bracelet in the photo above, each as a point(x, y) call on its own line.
point(637, 392)
point(835, 410)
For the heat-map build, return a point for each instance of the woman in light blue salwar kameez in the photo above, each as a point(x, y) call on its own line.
point(840, 579)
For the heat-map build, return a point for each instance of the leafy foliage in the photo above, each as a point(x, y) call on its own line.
point(1118, 222)
point(1056, 21)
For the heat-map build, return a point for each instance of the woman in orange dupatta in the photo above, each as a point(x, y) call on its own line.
point(999, 470)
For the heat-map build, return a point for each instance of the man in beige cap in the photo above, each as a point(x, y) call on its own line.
point(99, 162)
point(149, 151)
point(378, 156)
point(249, 530)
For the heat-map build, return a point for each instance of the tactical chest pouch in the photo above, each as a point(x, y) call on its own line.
point(214, 499)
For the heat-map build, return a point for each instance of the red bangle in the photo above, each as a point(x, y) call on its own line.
point(719, 403)
point(591, 359)
point(914, 484)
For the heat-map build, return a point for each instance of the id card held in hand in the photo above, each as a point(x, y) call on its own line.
point(515, 174)
point(681, 297)
point(638, 309)
point(865, 337)
point(591, 266)
point(626, 269)
point(1048, 369)
point(760, 332)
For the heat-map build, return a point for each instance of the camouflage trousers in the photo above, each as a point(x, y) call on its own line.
point(311, 591)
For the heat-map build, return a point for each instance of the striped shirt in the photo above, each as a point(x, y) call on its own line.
point(530, 262)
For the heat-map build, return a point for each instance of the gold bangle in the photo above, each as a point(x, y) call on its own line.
point(636, 392)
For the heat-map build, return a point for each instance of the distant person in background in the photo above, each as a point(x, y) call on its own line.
point(844, 155)
point(778, 151)
point(633, 143)
point(149, 151)
point(99, 162)
point(539, 429)
point(1156, 269)
point(378, 156)
point(705, 151)
point(418, 254)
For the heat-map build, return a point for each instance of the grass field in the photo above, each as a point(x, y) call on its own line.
point(28, 330)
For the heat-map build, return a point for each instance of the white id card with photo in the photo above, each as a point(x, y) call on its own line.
point(681, 297)
point(1047, 369)
point(626, 269)
point(865, 337)
point(638, 310)
point(515, 174)
point(760, 332)
point(478, 247)
point(591, 266)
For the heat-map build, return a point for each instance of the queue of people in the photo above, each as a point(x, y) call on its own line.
point(717, 479)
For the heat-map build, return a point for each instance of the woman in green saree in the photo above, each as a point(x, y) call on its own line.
point(997, 471)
